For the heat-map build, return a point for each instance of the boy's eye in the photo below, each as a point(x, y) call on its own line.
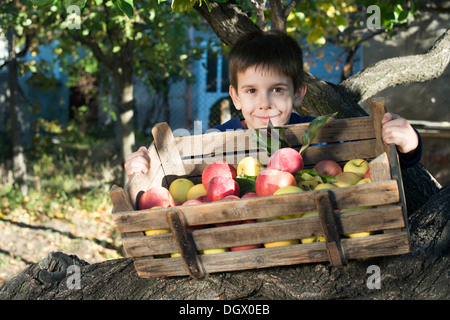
point(251, 91)
point(278, 90)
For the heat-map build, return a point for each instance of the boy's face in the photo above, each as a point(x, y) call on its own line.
point(263, 94)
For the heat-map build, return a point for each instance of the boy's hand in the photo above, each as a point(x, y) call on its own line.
point(138, 161)
point(398, 131)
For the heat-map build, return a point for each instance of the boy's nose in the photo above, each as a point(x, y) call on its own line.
point(264, 101)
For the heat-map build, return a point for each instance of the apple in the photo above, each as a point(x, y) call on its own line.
point(211, 251)
point(249, 166)
point(154, 232)
point(219, 168)
point(231, 197)
point(249, 195)
point(309, 240)
point(219, 187)
point(328, 168)
point(280, 243)
point(345, 179)
point(358, 166)
point(196, 191)
point(286, 159)
point(179, 189)
point(247, 247)
point(189, 202)
point(270, 180)
point(358, 234)
point(288, 189)
point(321, 186)
point(367, 174)
point(156, 197)
point(364, 180)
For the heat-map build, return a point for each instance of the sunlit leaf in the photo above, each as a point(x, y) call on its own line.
point(42, 3)
point(313, 128)
point(127, 7)
point(78, 3)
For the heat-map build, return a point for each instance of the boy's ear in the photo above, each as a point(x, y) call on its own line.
point(299, 95)
point(235, 97)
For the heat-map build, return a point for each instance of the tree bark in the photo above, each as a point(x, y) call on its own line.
point(19, 165)
point(420, 274)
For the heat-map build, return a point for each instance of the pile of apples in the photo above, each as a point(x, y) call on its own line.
point(283, 174)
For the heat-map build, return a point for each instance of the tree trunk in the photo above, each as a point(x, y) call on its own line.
point(19, 166)
point(124, 101)
point(420, 274)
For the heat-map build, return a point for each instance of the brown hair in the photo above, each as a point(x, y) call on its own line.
point(272, 50)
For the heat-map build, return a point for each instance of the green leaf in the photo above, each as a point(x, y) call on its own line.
point(78, 3)
point(246, 184)
point(42, 3)
point(313, 128)
point(313, 172)
point(182, 5)
point(127, 7)
point(271, 139)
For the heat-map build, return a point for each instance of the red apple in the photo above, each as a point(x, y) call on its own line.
point(156, 197)
point(286, 159)
point(249, 195)
point(270, 180)
point(221, 169)
point(203, 198)
point(193, 201)
point(328, 168)
point(220, 187)
point(231, 197)
point(367, 174)
point(249, 246)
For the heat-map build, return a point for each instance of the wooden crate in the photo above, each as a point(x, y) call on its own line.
point(187, 157)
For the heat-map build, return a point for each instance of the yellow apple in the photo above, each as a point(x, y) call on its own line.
point(288, 189)
point(358, 166)
point(212, 251)
point(345, 179)
point(311, 214)
point(280, 243)
point(358, 234)
point(179, 189)
point(175, 254)
point(309, 240)
point(196, 191)
point(365, 180)
point(154, 232)
point(249, 166)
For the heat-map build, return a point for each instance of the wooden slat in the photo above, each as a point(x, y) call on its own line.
point(185, 245)
point(241, 140)
point(330, 229)
point(371, 194)
point(379, 168)
point(374, 219)
point(355, 248)
point(377, 111)
point(340, 152)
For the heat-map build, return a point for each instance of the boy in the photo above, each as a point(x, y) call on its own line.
point(266, 83)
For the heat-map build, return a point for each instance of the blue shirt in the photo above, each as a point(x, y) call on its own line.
point(406, 161)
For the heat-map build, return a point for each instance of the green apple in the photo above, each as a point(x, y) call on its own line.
point(321, 186)
point(358, 166)
point(345, 179)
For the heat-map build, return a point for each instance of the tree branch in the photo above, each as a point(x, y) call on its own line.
point(401, 70)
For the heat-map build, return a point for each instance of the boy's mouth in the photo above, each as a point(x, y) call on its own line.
point(266, 118)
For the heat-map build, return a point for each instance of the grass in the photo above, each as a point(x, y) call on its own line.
point(69, 190)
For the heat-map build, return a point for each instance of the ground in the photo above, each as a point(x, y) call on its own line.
point(26, 239)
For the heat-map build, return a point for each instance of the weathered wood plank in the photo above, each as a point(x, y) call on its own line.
point(370, 194)
point(355, 248)
point(375, 219)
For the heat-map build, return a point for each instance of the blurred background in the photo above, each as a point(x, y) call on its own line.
point(65, 80)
